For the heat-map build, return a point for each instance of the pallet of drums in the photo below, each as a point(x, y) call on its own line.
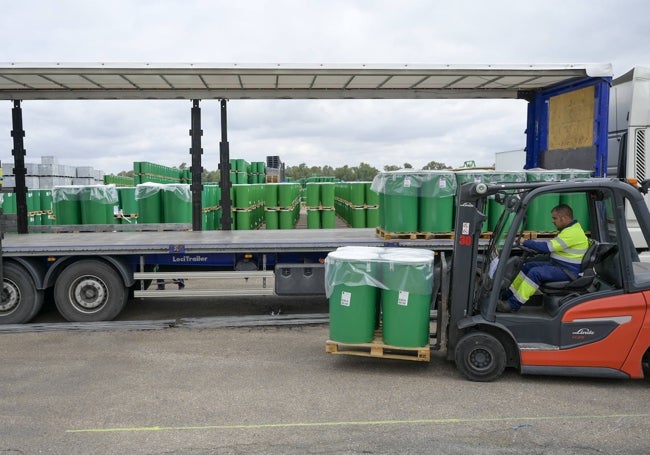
point(379, 302)
point(421, 204)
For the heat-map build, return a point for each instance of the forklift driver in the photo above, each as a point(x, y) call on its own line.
point(566, 252)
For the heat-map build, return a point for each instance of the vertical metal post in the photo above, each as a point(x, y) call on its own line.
point(19, 153)
point(601, 125)
point(196, 151)
point(224, 169)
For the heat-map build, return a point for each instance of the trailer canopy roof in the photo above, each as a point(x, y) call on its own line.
point(69, 81)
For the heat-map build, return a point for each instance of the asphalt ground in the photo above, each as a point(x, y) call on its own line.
point(274, 390)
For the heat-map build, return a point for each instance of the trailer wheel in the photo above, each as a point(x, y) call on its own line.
point(480, 357)
point(88, 291)
point(20, 300)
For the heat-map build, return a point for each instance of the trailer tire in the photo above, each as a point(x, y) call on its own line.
point(480, 357)
point(20, 300)
point(90, 291)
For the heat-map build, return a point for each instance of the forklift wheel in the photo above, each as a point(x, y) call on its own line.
point(480, 357)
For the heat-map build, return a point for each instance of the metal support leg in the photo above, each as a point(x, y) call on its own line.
point(19, 153)
point(224, 168)
point(196, 151)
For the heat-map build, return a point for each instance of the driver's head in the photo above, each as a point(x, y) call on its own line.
point(562, 215)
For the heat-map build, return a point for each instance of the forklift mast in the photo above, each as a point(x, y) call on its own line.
point(469, 220)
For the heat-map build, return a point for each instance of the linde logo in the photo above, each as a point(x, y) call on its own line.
point(190, 259)
point(584, 331)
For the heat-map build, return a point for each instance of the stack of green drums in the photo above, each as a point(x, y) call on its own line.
point(91, 204)
point(359, 281)
point(320, 205)
point(357, 204)
point(281, 205)
point(415, 201)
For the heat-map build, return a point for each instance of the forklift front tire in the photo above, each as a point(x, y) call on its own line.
point(480, 357)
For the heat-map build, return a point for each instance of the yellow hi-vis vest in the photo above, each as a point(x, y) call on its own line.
point(569, 246)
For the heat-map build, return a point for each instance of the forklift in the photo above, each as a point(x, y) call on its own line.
point(597, 325)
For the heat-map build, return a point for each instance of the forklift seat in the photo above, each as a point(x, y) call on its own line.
point(558, 292)
point(579, 283)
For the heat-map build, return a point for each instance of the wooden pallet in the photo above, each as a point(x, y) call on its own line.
point(539, 235)
point(413, 235)
point(377, 348)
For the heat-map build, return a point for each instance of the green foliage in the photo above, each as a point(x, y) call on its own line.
point(435, 166)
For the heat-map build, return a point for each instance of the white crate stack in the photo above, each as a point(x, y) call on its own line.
point(49, 173)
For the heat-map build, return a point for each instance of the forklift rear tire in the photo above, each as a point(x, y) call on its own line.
point(480, 357)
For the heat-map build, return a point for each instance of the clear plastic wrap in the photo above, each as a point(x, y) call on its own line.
point(106, 194)
point(147, 190)
point(434, 184)
point(408, 269)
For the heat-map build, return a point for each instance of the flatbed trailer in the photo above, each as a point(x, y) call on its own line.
point(92, 275)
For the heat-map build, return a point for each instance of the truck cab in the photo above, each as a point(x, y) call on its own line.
point(629, 134)
point(600, 328)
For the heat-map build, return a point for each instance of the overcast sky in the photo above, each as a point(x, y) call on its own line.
point(110, 135)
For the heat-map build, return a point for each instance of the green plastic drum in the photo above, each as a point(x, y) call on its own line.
point(286, 219)
point(9, 203)
point(354, 299)
point(271, 195)
point(372, 198)
point(287, 194)
point(312, 193)
point(313, 219)
point(46, 207)
point(65, 200)
point(399, 202)
point(33, 198)
point(327, 194)
point(328, 218)
point(244, 220)
point(177, 203)
point(372, 217)
point(358, 217)
point(271, 218)
point(127, 201)
point(406, 303)
point(97, 204)
point(148, 196)
point(243, 196)
point(357, 193)
point(436, 202)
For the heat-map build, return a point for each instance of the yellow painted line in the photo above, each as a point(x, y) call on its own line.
point(354, 423)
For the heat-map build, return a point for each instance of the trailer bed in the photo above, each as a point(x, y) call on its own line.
point(258, 241)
